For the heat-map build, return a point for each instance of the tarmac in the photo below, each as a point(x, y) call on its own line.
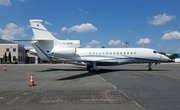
point(71, 87)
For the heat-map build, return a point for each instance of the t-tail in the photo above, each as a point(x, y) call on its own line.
point(40, 32)
point(45, 43)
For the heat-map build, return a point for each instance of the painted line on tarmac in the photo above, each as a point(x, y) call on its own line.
point(12, 101)
point(122, 93)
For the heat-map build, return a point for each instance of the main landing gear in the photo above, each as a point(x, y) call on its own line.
point(89, 68)
point(92, 67)
point(149, 66)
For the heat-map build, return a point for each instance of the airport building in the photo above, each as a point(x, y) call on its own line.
point(177, 60)
point(19, 53)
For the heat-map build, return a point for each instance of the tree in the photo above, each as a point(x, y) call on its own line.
point(9, 57)
point(162, 53)
point(102, 47)
point(173, 56)
point(5, 57)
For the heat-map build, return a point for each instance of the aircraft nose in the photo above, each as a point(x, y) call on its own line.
point(164, 58)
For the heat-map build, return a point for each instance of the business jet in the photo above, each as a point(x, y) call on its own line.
point(48, 48)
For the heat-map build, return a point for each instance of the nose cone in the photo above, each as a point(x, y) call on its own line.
point(164, 58)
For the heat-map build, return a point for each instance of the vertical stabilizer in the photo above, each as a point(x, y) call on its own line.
point(40, 32)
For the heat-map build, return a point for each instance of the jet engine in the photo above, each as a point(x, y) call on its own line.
point(65, 51)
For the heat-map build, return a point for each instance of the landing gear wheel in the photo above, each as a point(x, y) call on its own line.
point(89, 68)
point(150, 69)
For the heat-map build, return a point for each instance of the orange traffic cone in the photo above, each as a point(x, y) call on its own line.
point(4, 68)
point(31, 83)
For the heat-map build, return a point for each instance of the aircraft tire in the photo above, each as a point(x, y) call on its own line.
point(89, 68)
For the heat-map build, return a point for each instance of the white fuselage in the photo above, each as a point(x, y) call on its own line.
point(49, 48)
point(112, 56)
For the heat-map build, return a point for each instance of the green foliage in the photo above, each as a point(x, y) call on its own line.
point(102, 47)
point(162, 53)
point(5, 57)
point(9, 57)
point(173, 56)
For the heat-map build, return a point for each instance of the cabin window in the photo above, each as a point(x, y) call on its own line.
point(93, 53)
point(124, 53)
point(106, 53)
point(89, 53)
point(103, 53)
point(110, 53)
point(131, 53)
point(154, 52)
point(96, 53)
point(128, 53)
point(99, 53)
point(121, 53)
point(114, 53)
point(134, 53)
point(117, 53)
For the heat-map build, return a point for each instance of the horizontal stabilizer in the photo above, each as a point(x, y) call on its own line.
point(32, 40)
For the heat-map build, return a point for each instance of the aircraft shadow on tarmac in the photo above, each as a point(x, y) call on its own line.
point(87, 73)
point(102, 71)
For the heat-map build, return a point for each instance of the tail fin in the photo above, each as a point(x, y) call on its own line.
point(40, 32)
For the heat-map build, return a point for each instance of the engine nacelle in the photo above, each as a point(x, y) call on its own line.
point(65, 51)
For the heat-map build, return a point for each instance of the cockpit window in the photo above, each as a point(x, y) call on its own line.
point(154, 52)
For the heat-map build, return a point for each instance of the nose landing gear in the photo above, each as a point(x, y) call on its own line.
point(149, 66)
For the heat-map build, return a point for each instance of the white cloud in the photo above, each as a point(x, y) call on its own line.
point(80, 9)
point(94, 42)
point(175, 35)
point(143, 41)
point(167, 31)
point(159, 45)
point(161, 19)
point(11, 30)
point(29, 26)
point(132, 32)
point(47, 23)
point(21, 0)
point(88, 46)
point(99, 46)
point(64, 29)
point(54, 33)
point(114, 42)
point(85, 27)
point(5, 2)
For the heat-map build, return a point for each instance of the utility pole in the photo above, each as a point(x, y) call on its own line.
point(127, 43)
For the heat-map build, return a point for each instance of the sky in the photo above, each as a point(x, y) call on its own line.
point(110, 23)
